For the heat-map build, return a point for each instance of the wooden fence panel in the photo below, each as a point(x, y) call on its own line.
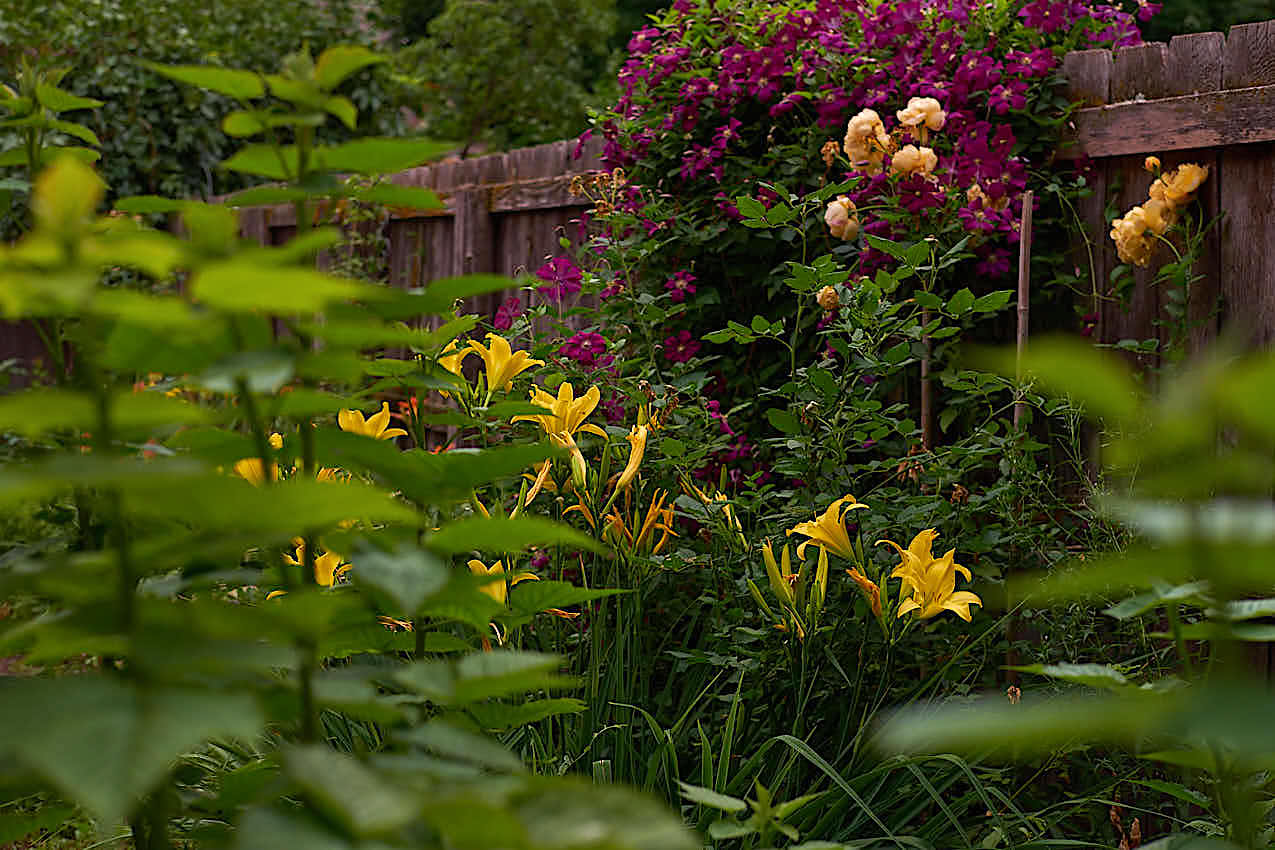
point(1204, 98)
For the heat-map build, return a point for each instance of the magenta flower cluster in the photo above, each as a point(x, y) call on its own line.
point(588, 349)
point(738, 451)
point(680, 285)
point(680, 347)
point(561, 276)
point(507, 313)
point(822, 64)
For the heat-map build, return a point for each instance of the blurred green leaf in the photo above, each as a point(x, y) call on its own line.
point(500, 716)
point(114, 741)
point(1098, 676)
point(532, 597)
point(1062, 366)
point(337, 63)
point(241, 85)
point(237, 286)
point(502, 534)
point(406, 576)
point(712, 799)
point(457, 744)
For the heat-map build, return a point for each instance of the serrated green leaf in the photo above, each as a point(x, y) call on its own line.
point(533, 597)
point(992, 301)
point(961, 302)
point(406, 576)
point(783, 420)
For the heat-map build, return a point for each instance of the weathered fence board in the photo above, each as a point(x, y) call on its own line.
point(1204, 98)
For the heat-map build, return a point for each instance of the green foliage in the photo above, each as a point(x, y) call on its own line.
point(223, 648)
point(156, 136)
point(512, 73)
point(1200, 541)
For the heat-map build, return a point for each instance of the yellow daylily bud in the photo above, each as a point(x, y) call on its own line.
point(755, 592)
point(637, 447)
point(276, 441)
point(779, 578)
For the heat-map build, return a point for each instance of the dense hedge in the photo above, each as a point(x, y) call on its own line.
point(158, 137)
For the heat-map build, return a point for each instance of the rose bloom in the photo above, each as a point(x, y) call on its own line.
point(923, 110)
point(913, 160)
point(1179, 185)
point(840, 218)
point(866, 141)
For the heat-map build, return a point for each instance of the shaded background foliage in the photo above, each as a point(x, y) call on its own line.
point(161, 138)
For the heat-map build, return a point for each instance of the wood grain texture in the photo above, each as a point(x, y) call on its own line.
point(536, 194)
point(1217, 118)
point(1139, 72)
point(1195, 63)
point(1088, 74)
point(1250, 55)
point(1247, 184)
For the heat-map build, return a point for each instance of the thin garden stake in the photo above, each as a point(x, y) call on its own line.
point(1024, 296)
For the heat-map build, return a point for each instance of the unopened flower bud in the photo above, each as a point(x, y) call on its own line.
point(1152, 164)
point(828, 299)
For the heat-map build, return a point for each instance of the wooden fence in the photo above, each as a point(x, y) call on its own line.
point(1204, 98)
point(505, 214)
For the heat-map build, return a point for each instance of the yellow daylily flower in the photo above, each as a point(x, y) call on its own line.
point(498, 590)
point(829, 530)
point(251, 470)
point(931, 580)
point(915, 558)
point(566, 412)
point(451, 358)
point(374, 426)
point(637, 448)
point(276, 441)
point(328, 567)
point(502, 363)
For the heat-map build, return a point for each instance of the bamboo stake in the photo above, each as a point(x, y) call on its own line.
point(1014, 627)
point(1024, 296)
point(927, 392)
